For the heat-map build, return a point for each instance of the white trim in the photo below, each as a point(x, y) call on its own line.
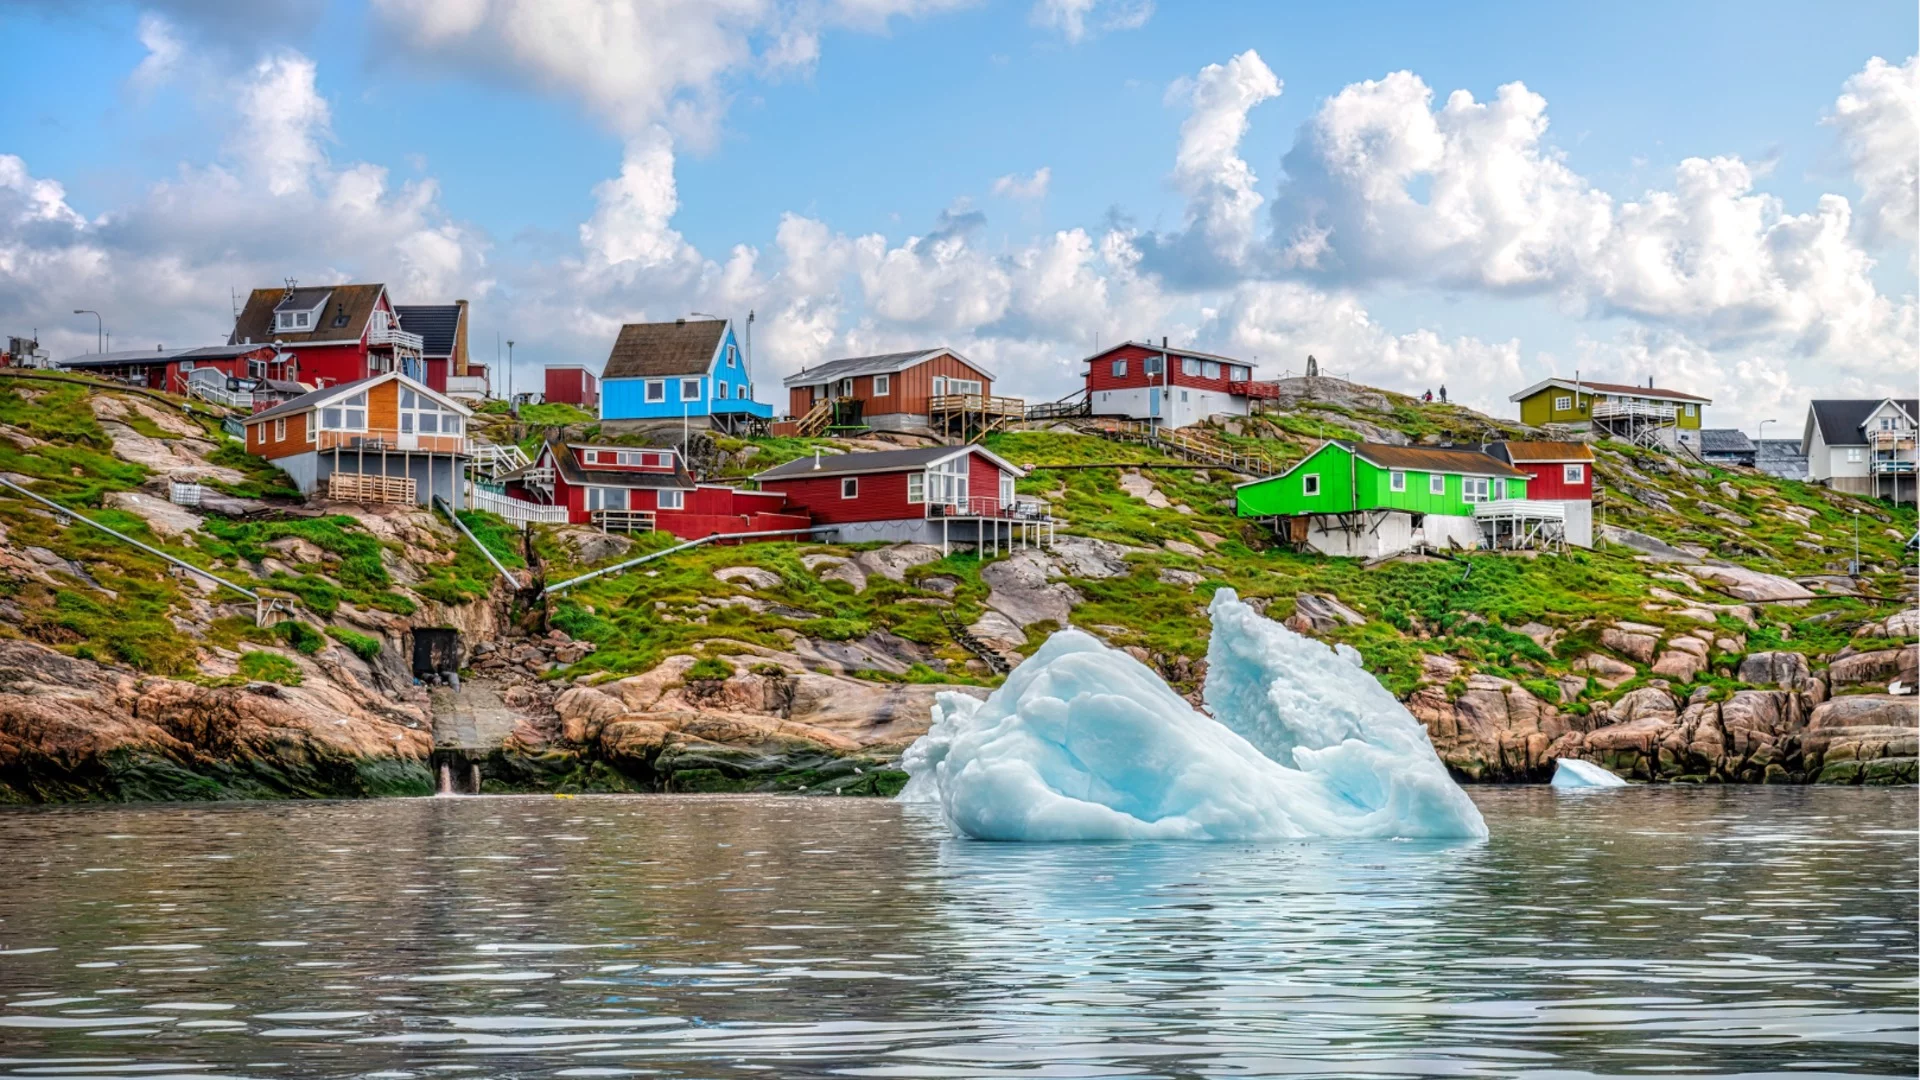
point(361, 386)
point(1436, 483)
point(1573, 472)
point(1310, 485)
point(1591, 390)
point(646, 391)
point(850, 480)
point(660, 498)
point(1397, 480)
point(883, 385)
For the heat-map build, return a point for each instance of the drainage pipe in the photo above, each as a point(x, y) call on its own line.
point(617, 567)
point(512, 582)
point(118, 535)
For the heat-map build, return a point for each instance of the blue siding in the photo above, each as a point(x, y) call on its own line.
point(626, 399)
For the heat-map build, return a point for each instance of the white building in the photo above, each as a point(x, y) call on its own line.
point(1862, 445)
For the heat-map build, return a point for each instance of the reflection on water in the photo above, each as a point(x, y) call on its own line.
point(1728, 931)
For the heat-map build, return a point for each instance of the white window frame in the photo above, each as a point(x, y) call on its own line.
point(1210, 369)
point(1853, 454)
point(1006, 491)
point(882, 385)
point(1190, 366)
point(732, 352)
point(965, 386)
point(279, 429)
point(654, 391)
point(1563, 403)
point(599, 498)
point(947, 481)
point(1500, 488)
point(939, 385)
point(849, 487)
point(1396, 480)
point(345, 407)
point(1474, 489)
point(694, 384)
point(916, 488)
point(720, 391)
point(1573, 474)
point(846, 388)
point(1120, 369)
point(1436, 484)
point(1310, 484)
point(670, 499)
point(1692, 409)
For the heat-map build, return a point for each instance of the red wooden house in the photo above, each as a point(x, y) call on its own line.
point(443, 341)
point(1175, 387)
point(936, 494)
point(171, 369)
point(342, 333)
point(571, 384)
point(638, 489)
point(1559, 472)
point(924, 391)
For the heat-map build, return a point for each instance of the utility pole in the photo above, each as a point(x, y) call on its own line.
point(1856, 541)
point(509, 369)
point(99, 328)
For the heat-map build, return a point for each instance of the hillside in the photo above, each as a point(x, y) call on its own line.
point(803, 665)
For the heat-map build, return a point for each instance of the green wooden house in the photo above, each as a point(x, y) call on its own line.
point(1372, 499)
point(1646, 415)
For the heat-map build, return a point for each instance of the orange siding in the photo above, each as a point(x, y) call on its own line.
point(260, 438)
point(383, 407)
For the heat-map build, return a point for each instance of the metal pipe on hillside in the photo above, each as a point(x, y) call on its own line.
point(616, 567)
point(118, 535)
point(512, 582)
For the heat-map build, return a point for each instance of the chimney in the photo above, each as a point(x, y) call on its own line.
point(816, 457)
point(679, 322)
point(457, 363)
point(1163, 342)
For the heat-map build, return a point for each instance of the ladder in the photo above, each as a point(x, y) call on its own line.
point(816, 420)
point(960, 634)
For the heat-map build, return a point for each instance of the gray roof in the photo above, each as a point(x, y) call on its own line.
point(1841, 420)
point(1725, 441)
point(436, 324)
point(311, 398)
point(304, 299)
point(120, 357)
point(883, 364)
point(877, 461)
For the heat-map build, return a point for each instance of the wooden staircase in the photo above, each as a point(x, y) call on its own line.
point(1193, 444)
point(964, 637)
point(816, 421)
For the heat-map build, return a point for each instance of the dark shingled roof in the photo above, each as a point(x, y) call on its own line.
point(1516, 450)
point(435, 323)
point(855, 464)
point(353, 302)
point(660, 349)
point(1433, 459)
point(1725, 441)
point(570, 469)
point(1840, 420)
point(883, 364)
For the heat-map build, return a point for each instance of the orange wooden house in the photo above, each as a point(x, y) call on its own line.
point(387, 438)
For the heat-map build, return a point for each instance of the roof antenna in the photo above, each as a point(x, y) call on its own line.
point(291, 283)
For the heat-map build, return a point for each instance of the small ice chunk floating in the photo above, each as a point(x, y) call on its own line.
point(1574, 773)
point(1084, 742)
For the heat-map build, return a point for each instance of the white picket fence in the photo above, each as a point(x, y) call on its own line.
point(517, 511)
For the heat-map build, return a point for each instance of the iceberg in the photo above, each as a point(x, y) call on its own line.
point(1574, 773)
point(1083, 742)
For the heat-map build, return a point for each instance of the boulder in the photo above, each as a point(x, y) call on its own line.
point(1877, 666)
point(1864, 739)
point(1688, 643)
point(1646, 702)
point(163, 517)
point(1787, 670)
point(1019, 589)
point(995, 629)
point(1085, 557)
point(591, 546)
point(1172, 576)
point(1606, 671)
point(1752, 585)
point(893, 562)
point(1181, 547)
point(748, 577)
point(1640, 646)
point(1653, 547)
point(1322, 612)
point(1680, 664)
point(836, 568)
point(1142, 488)
point(1901, 625)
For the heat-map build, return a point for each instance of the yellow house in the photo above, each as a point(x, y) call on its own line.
point(1642, 414)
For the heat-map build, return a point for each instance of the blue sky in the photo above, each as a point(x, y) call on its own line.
point(512, 130)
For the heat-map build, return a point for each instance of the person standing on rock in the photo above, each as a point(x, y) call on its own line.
point(1443, 393)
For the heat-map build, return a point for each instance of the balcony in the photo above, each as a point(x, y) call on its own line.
point(627, 521)
point(981, 506)
point(391, 337)
point(1519, 510)
point(1892, 466)
point(1612, 409)
point(1890, 440)
point(741, 406)
point(982, 404)
point(1255, 390)
point(386, 440)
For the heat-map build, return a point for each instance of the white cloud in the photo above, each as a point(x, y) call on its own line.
point(1223, 203)
point(1878, 117)
point(283, 121)
point(1015, 186)
point(164, 50)
point(1075, 19)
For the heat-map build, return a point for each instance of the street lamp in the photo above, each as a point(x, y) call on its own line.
point(509, 371)
point(1763, 429)
point(1856, 541)
point(99, 328)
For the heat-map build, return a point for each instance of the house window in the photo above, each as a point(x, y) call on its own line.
point(1210, 369)
point(963, 386)
point(1693, 410)
point(1396, 481)
point(656, 390)
point(882, 385)
point(849, 487)
point(1119, 369)
point(349, 414)
point(1573, 474)
point(720, 390)
point(947, 482)
point(257, 369)
point(733, 353)
point(606, 498)
point(1473, 489)
point(1006, 492)
point(1499, 489)
point(1888, 423)
point(939, 385)
point(1563, 403)
point(846, 387)
point(300, 318)
point(1436, 484)
point(1189, 366)
point(689, 389)
point(1153, 365)
point(1183, 395)
point(422, 414)
point(1310, 484)
point(671, 499)
point(279, 429)
point(1853, 453)
point(916, 488)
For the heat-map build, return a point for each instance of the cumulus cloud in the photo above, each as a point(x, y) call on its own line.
point(1015, 186)
point(164, 50)
point(1075, 19)
point(1878, 118)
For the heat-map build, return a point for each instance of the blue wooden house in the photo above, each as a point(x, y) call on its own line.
point(689, 371)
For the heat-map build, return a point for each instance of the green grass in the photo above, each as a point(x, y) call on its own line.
point(269, 667)
point(366, 648)
point(300, 637)
point(710, 667)
point(554, 414)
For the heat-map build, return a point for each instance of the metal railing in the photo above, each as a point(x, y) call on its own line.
point(1528, 509)
point(629, 521)
point(985, 506)
point(985, 404)
point(396, 337)
point(1885, 466)
point(213, 388)
point(1075, 404)
point(1610, 409)
point(517, 511)
point(466, 386)
point(1890, 440)
point(376, 440)
point(492, 459)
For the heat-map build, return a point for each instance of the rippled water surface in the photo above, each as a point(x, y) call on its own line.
point(1721, 931)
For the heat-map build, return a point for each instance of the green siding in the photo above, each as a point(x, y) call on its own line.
point(1285, 495)
point(1538, 409)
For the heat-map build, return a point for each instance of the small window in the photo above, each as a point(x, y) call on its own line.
point(1574, 474)
point(1119, 369)
point(279, 429)
point(300, 319)
point(1693, 410)
point(1853, 454)
point(1436, 484)
point(1499, 489)
point(1310, 484)
point(939, 385)
point(1397, 481)
point(331, 418)
point(1211, 370)
point(720, 390)
point(656, 390)
point(882, 385)
point(689, 389)
point(1563, 403)
point(1183, 395)
point(1473, 489)
point(733, 353)
point(850, 487)
point(846, 387)
point(672, 499)
point(916, 488)
point(1190, 366)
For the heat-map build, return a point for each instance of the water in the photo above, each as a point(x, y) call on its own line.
point(1653, 930)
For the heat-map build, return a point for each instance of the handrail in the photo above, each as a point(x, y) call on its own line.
point(118, 535)
point(512, 582)
point(663, 552)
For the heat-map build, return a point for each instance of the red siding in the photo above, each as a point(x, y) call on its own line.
point(572, 386)
point(908, 390)
point(1549, 480)
point(436, 373)
point(325, 365)
point(881, 497)
point(1100, 371)
point(983, 483)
